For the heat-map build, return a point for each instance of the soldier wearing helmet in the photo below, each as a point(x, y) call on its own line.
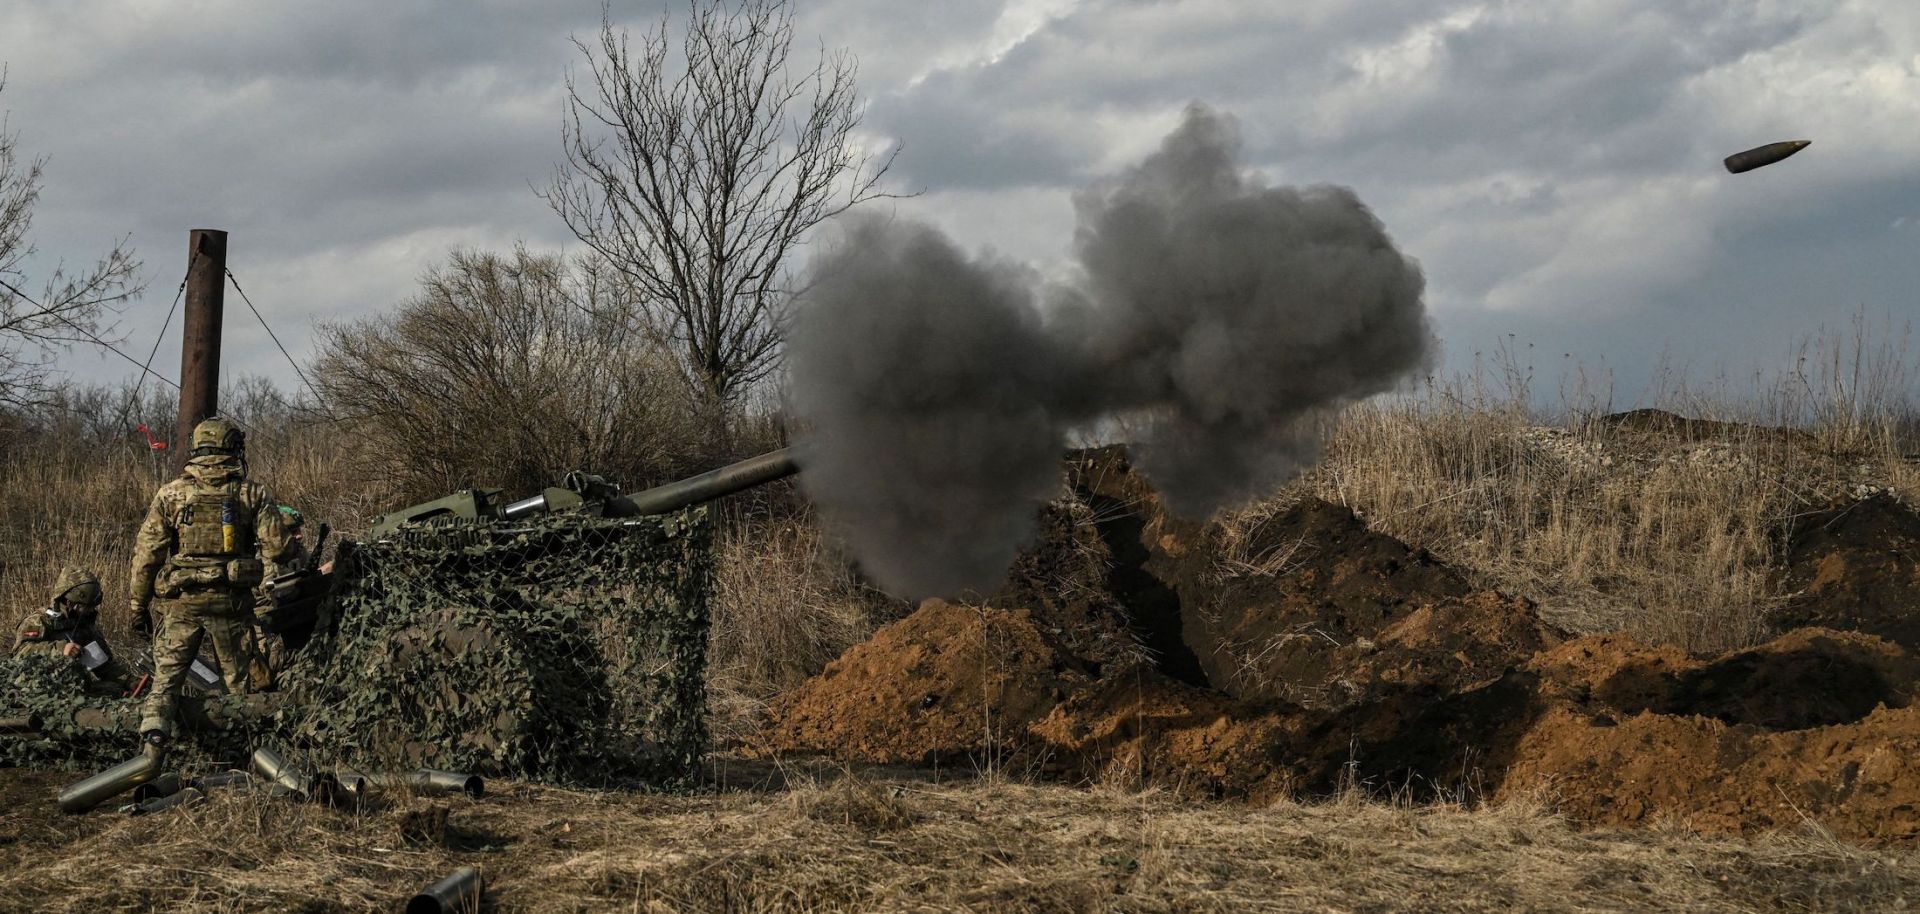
point(203, 547)
point(68, 629)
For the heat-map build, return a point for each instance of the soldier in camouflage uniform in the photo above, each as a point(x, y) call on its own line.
point(201, 551)
point(68, 625)
point(270, 654)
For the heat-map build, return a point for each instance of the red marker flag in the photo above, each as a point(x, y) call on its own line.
point(153, 444)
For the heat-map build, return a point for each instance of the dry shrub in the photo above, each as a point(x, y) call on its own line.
point(785, 603)
point(508, 371)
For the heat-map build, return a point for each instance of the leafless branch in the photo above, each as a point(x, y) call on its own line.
point(695, 170)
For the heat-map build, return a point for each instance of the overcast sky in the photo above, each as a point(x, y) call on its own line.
point(1555, 167)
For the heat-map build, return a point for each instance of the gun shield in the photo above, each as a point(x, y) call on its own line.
point(86, 794)
point(458, 893)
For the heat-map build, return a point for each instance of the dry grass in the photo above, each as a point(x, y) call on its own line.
point(858, 844)
point(786, 602)
point(1672, 537)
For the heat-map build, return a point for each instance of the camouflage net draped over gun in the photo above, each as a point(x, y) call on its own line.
point(569, 648)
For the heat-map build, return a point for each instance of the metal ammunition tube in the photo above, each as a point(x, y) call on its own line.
point(353, 783)
point(165, 785)
point(429, 780)
point(272, 766)
point(86, 794)
point(26, 724)
point(182, 797)
point(459, 893)
point(222, 779)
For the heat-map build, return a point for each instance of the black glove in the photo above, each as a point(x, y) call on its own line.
point(142, 621)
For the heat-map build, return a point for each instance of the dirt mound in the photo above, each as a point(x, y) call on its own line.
point(1299, 652)
point(1808, 726)
point(1258, 610)
point(1064, 579)
point(1856, 567)
point(1805, 679)
point(1147, 728)
point(1854, 779)
point(947, 681)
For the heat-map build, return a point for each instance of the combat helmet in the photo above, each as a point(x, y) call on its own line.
point(218, 436)
point(76, 586)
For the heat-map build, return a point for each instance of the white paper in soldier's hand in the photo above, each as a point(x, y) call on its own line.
point(94, 655)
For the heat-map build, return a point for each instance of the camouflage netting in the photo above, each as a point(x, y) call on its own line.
point(87, 731)
point(572, 649)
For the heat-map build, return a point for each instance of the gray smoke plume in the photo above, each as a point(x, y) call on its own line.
point(1228, 317)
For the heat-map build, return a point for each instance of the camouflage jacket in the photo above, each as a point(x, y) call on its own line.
point(157, 543)
point(40, 633)
point(43, 633)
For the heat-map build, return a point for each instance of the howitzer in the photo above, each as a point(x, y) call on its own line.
point(584, 492)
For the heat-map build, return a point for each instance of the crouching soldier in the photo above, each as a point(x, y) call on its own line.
point(200, 552)
point(68, 629)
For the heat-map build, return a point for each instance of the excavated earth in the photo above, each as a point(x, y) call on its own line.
point(1309, 654)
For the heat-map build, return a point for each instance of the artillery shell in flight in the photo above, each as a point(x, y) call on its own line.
point(1761, 156)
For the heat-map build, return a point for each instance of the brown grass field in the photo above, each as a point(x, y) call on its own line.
point(835, 841)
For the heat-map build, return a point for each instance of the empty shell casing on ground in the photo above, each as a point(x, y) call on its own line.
point(274, 767)
point(183, 797)
point(429, 780)
point(93, 791)
point(164, 785)
point(1760, 156)
point(27, 724)
point(222, 779)
point(458, 893)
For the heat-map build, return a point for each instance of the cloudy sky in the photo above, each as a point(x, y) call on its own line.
point(1555, 167)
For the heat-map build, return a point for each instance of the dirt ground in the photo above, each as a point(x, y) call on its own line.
point(894, 840)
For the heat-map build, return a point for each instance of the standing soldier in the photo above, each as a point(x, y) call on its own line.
point(201, 550)
point(67, 628)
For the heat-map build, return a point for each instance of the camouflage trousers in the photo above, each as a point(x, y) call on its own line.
point(182, 625)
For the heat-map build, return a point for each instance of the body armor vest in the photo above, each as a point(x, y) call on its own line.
point(215, 525)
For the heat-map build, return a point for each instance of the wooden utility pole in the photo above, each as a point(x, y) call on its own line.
point(200, 336)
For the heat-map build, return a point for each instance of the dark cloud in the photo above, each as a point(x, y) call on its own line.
point(1551, 165)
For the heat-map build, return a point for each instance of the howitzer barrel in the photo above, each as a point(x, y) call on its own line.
point(733, 477)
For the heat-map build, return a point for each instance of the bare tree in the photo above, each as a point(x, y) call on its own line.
point(695, 174)
point(72, 307)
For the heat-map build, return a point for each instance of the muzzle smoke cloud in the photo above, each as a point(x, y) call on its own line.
point(1223, 319)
